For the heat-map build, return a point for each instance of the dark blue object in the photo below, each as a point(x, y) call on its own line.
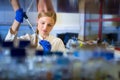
point(39, 53)
point(66, 36)
point(7, 44)
point(76, 54)
point(43, 53)
point(48, 53)
point(18, 53)
point(107, 55)
point(58, 53)
point(24, 43)
point(58, 75)
point(62, 61)
point(46, 45)
point(1, 40)
point(19, 15)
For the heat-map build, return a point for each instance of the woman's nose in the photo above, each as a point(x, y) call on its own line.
point(45, 27)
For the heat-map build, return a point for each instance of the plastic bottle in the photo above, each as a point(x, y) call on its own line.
point(18, 65)
point(62, 70)
point(103, 54)
point(5, 58)
point(43, 64)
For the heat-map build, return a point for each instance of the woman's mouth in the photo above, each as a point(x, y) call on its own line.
point(44, 31)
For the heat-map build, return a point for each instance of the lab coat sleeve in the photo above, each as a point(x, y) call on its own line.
point(12, 37)
point(61, 45)
point(58, 45)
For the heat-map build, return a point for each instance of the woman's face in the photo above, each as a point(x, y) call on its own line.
point(45, 25)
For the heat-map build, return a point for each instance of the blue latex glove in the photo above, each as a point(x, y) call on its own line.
point(46, 45)
point(19, 15)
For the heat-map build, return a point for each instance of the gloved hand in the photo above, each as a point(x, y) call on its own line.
point(46, 45)
point(19, 15)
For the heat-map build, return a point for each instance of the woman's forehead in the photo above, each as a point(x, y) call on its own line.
point(46, 19)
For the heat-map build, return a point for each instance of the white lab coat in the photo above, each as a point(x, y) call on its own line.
point(57, 43)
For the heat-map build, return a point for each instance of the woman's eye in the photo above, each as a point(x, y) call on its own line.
point(42, 23)
point(49, 25)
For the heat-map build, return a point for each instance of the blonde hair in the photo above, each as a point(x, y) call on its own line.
point(48, 14)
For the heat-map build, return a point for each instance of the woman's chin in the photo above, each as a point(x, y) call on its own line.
point(44, 35)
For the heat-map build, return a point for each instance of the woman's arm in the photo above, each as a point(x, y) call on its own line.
point(15, 26)
point(45, 6)
point(17, 21)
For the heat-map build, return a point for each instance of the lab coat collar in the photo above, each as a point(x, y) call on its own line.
point(41, 38)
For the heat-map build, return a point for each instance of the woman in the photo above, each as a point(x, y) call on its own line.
point(42, 39)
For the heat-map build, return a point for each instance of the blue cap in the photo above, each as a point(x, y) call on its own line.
point(63, 61)
point(48, 53)
point(8, 44)
point(107, 55)
point(24, 43)
point(58, 53)
point(18, 52)
point(39, 53)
